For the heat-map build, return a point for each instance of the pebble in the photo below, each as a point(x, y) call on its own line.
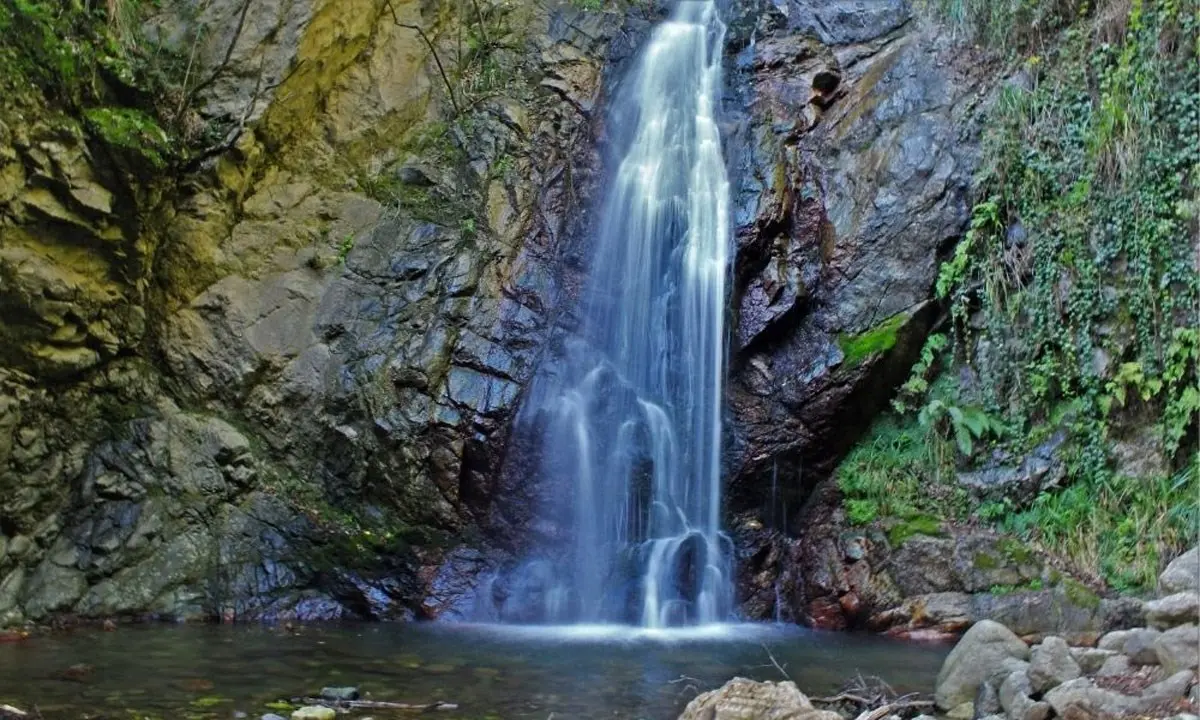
point(314, 712)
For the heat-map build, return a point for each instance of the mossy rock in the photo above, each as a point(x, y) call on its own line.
point(879, 339)
point(928, 525)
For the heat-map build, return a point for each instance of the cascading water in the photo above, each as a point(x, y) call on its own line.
point(635, 417)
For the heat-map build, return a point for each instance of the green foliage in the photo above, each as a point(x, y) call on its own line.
point(899, 472)
point(1078, 276)
point(1010, 24)
point(913, 525)
point(861, 512)
point(964, 424)
point(345, 247)
point(131, 130)
point(881, 338)
point(917, 385)
point(1120, 529)
point(590, 5)
point(1033, 585)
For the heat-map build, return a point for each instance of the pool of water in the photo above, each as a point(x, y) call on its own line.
point(195, 672)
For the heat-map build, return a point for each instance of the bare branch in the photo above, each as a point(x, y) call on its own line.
point(433, 50)
point(775, 662)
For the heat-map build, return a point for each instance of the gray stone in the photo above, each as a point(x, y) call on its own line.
point(1139, 646)
point(314, 712)
point(1051, 664)
point(987, 652)
point(20, 546)
point(1114, 640)
point(1182, 574)
point(1091, 659)
point(986, 702)
point(1040, 710)
point(1080, 698)
point(1175, 686)
point(1041, 470)
point(52, 588)
point(1014, 692)
point(742, 698)
point(1179, 648)
point(1178, 609)
point(339, 693)
point(272, 716)
point(1115, 665)
point(962, 711)
point(10, 589)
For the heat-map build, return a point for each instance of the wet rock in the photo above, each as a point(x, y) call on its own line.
point(742, 699)
point(272, 716)
point(339, 693)
point(1051, 665)
point(1182, 574)
point(987, 652)
point(1179, 648)
point(1172, 610)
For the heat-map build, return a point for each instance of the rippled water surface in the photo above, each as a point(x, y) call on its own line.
point(200, 672)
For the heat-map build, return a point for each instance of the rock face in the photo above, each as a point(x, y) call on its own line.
point(742, 699)
point(852, 164)
point(276, 382)
point(277, 379)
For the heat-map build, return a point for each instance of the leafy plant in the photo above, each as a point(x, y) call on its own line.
point(917, 385)
point(966, 424)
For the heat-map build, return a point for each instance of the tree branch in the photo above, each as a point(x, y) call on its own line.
point(433, 50)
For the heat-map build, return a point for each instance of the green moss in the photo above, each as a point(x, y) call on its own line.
point(916, 525)
point(1015, 551)
point(132, 131)
point(881, 338)
point(985, 561)
point(1080, 594)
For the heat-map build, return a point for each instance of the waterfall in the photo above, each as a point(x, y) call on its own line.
point(634, 422)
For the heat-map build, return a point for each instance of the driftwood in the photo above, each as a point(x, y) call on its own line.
point(380, 705)
point(882, 712)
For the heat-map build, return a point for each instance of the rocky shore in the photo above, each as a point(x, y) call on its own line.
point(993, 674)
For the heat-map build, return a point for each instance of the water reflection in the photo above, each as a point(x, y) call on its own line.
point(200, 672)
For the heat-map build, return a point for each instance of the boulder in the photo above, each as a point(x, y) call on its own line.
point(1182, 574)
point(987, 702)
point(1139, 646)
point(1091, 659)
point(1051, 665)
point(1116, 665)
point(742, 699)
point(339, 693)
point(314, 712)
point(1114, 640)
point(1178, 609)
point(1080, 698)
point(1014, 698)
point(987, 652)
point(1173, 688)
point(1179, 648)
